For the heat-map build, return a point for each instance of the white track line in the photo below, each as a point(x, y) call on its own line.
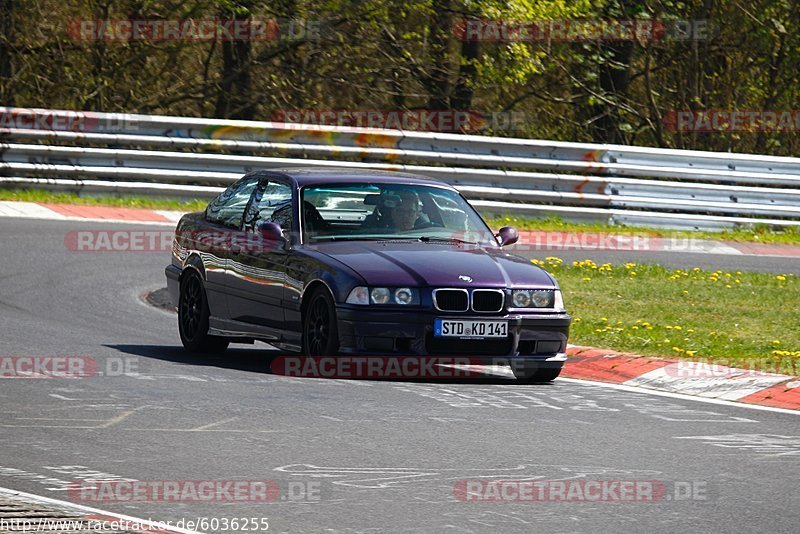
point(81, 508)
point(682, 396)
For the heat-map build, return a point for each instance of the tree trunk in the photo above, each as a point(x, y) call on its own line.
point(6, 50)
point(440, 31)
point(234, 100)
point(467, 74)
point(614, 79)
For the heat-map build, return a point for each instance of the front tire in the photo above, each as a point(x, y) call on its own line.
point(320, 329)
point(193, 314)
point(532, 375)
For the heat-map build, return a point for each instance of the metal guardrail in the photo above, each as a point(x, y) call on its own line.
point(187, 157)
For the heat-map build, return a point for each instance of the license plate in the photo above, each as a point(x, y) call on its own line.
point(467, 328)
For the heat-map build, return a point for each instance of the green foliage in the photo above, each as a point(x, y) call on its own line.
point(395, 54)
point(642, 309)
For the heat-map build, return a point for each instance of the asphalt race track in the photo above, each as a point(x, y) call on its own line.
point(356, 455)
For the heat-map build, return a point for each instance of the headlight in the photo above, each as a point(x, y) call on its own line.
point(534, 298)
point(383, 295)
point(403, 295)
point(359, 295)
point(379, 295)
point(542, 299)
point(521, 298)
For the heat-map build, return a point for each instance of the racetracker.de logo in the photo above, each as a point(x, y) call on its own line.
point(746, 368)
point(174, 491)
point(593, 491)
point(721, 120)
point(47, 366)
point(250, 29)
point(65, 121)
point(162, 241)
point(582, 30)
point(376, 367)
point(415, 120)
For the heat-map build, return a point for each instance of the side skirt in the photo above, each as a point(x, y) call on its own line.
point(241, 332)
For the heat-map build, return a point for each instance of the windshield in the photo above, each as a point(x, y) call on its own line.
point(377, 211)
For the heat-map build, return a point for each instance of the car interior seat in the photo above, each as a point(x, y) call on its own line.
point(313, 221)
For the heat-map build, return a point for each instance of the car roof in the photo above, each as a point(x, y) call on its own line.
point(303, 176)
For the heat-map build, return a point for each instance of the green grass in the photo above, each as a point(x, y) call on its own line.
point(757, 234)
point(39, 195)
point(731, 318)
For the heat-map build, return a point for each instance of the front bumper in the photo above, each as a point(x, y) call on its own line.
point(540, 338)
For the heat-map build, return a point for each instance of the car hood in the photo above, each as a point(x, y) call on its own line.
point(412, 263)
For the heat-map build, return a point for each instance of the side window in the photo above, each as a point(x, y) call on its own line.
point(272, 203)
point(228, 208)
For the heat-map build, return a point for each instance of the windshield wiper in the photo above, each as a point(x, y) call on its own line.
point(348, 238)
point(431, 239)
point(423, 239)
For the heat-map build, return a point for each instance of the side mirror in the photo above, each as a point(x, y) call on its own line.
point(508, 235)
point(271, 231)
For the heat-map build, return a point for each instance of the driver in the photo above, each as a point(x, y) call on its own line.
point(399, 210)
point(405, 212)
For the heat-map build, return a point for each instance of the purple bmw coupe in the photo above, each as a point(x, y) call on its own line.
point(335, 262)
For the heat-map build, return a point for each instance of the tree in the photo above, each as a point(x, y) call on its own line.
point(234, 97)
point(6, 52)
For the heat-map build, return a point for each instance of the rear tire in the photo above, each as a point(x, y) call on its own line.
point(534, 375)
point(193, 314)
point(320, 329)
